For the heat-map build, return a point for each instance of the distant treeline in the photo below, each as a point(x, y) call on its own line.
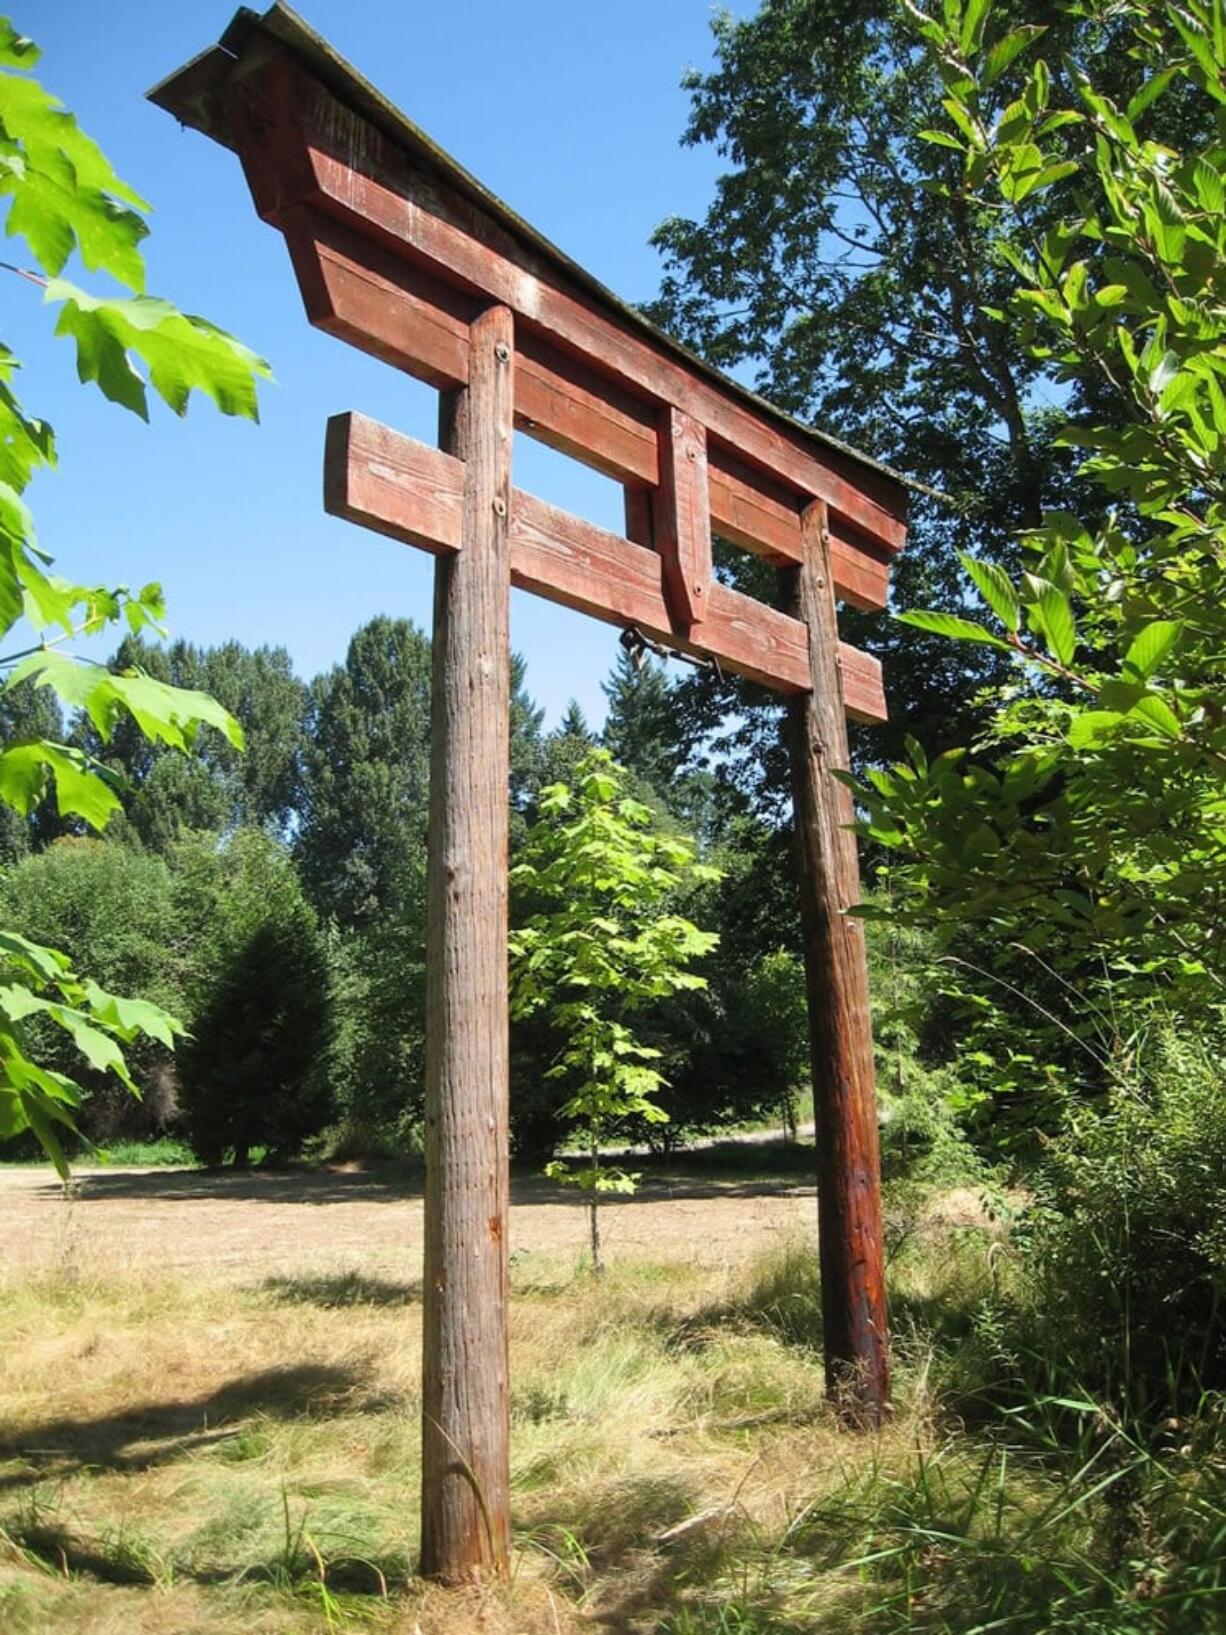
point(274, 900)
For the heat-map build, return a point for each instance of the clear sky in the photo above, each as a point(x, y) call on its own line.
point(569, 110)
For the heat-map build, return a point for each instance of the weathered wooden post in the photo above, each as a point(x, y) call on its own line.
point(465, 1529)
point(854, 1322)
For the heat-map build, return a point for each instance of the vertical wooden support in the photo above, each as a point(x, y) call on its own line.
point(682, 518)
point(465, 1414)
point(854, 1321)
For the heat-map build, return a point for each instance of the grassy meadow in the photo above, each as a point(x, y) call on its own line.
point(180, 1453)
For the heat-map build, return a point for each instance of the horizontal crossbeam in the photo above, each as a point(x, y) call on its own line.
point(397, 486)
point(360, 292)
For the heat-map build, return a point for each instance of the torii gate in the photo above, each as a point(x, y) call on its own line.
point(400, 252)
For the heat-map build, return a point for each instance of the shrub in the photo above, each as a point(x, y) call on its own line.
point(255, 1071)
point(112, 909)
point(1125, 1245)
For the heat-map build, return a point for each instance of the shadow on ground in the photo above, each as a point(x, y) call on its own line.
point(729, 1169)
point(647, 1542)
point(157, 1432)
point(342, 1290)
point(112, 1561)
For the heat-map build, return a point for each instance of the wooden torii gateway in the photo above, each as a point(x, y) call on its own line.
point(400, 252)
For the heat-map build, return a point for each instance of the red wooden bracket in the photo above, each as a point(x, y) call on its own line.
point(682, 518)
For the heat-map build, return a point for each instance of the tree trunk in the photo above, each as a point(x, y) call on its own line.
point(465, 1416)
point(854, 1322)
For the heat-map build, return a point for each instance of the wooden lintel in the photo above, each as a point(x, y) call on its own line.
point(681, 518)
point(383, 480)
point(361, 293)
point(300, 147)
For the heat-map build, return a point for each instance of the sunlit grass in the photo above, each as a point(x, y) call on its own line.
point(179, 1454)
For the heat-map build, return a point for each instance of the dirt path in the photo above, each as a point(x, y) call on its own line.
point(233, 1226)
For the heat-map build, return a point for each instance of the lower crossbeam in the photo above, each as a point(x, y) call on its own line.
point(382, 480)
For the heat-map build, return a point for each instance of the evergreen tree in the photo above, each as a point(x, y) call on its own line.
point(648, 732)
point(361, 849)
point(566, 745)
point(254, 1069)
point(366, 777)
point(640, 730)
point(527, 739)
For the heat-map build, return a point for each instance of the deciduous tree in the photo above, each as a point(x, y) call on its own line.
point(1091, 845)
point(602, 941)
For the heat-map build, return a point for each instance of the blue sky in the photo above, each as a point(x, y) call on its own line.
point(569, 111)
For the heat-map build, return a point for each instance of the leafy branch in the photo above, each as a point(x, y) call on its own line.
point(62, 197)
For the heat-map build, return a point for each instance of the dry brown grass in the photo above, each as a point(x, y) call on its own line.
point(185, 1453)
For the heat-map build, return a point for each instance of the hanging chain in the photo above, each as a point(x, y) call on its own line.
point(637, 645)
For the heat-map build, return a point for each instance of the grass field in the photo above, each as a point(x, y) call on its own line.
point(217, 1430)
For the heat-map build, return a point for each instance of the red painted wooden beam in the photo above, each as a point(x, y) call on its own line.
point(397, 486)
point(300, 146)
point(682, 519)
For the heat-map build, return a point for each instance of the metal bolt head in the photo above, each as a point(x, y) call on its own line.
point(500, 506)
point(502, 352)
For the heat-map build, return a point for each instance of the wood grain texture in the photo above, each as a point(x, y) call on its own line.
point(383, 480)
point(361, 293)
point(299, 146)
point(854, 1321)
point(681, 520)
point(465, 1403)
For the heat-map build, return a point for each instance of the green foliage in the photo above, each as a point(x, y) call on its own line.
point(1106, 1536)
point(1087, 836)
point(1124, 1247)
point(255, 1068)
point(167, 794)
point(111, 910)
point(770, 1019)
point(63, 198)
point(360, 847)
point(600, 941)
point(27, 715)
point(922, 1085)
point(875, 306)
point(563, 748)
point(377, 1059)
point(366, 775)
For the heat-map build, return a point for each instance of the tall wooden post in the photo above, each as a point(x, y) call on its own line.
point(465, 1415)
point(854, 1322)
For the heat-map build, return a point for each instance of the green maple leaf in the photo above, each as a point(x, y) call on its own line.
point(65, 194)
point(182, 352)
